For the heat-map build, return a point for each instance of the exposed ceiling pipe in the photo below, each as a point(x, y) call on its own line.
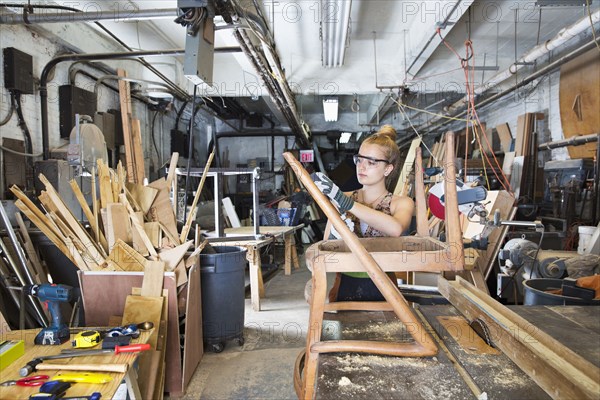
point(83, 57)
point(534, 54)
point(266, 60)
point(573, 141)
point(85, 16)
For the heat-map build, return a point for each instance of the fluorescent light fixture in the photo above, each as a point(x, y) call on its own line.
point(335, 27)
point(561, 3)
point(345, 137)
point(330, 109)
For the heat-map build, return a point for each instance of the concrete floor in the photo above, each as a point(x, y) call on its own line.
point(263, 367)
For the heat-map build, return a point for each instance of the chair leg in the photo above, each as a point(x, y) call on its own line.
point(333, 293)
point(315, 326)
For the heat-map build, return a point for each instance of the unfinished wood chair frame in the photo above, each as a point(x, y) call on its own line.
point(333, 256)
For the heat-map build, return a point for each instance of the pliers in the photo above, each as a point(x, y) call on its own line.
point(37, 380)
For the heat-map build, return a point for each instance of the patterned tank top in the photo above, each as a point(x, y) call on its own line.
point(361, 229)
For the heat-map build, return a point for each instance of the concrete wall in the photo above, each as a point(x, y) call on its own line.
point(44, 42)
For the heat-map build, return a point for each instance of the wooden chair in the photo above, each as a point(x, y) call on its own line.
point(376, 256)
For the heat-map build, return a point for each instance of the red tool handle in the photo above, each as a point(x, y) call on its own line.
point(132, 348)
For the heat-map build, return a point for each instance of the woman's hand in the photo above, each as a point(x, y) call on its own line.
point(331, 190)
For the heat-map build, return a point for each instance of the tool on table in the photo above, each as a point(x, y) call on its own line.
point(82, 377)
point(86, 339)
point(129, 330)
point(58, 332)
point(37, 380)
point(35, 363)
point(10, 350)
point(112, 342)
point(46, 396)
point(55, 387)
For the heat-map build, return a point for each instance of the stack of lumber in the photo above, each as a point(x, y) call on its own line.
point(131, 228)
point(129, 224)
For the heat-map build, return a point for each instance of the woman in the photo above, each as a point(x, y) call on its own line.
point(372, 211)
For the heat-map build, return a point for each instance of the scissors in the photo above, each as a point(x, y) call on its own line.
point(37, 380)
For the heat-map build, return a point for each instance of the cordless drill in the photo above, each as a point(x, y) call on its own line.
point(58, 332)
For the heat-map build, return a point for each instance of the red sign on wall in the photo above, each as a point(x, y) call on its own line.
point(307, 156)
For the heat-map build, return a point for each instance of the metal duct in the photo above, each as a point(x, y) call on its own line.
point(86, 16)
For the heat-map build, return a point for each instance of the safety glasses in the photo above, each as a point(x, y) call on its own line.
point(368, 162)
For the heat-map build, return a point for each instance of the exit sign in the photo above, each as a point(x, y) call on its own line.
point(307, 156)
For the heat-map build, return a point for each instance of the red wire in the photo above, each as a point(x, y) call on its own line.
point(471, 110)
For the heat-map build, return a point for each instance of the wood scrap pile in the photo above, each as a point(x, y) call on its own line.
point(129, 223)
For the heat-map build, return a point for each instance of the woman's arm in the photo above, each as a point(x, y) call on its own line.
point(402, 209)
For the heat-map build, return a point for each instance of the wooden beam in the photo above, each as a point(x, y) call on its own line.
point(73, 224)
point(555, 368)
point(138, 150)
point(191, 215)
point(125, 102)
point(92, 219)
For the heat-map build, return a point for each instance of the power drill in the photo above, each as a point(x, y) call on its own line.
point(58, 332)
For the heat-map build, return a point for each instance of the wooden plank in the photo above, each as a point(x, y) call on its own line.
point(30, 250)
point(579, 101)
point(138, 150)
point(98, 286)
point(421, 204)
point(193, 346)
point(119, 226)
point(505, 136)
point(188, 224)
point(555, 368)
point(44, 226)
point(172, 167)
point(407, 168)
point(234, 220)
point(161, 210)
point(138, 241)
point(153, 279)
point(125, 102)
point(91, 247)
point(172, 257)
point(143, 196)
point(126, 257)
point(153, 231)
point(92, 218)
point(139, 227)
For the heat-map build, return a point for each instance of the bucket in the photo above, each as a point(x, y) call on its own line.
point(536, 295)
point(585, 235)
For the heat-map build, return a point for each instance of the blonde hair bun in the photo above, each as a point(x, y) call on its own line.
point(389, 131)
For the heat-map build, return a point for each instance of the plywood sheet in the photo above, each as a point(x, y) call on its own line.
point(161, 209)
point(96, 287)
point(193, 326)
point(143, 195)
point(139, 309)
point(579, 101)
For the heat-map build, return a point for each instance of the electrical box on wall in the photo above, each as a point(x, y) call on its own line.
point(73, 100)
point(180, 143)
point(18, 71)
point(197, 17)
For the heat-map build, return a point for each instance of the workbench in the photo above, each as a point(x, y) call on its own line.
point(77, 389)
point(464, 364)
point(269, 234)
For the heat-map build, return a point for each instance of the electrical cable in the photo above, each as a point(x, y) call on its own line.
point(6, 149)
point(589, 12)
point(153, 137)
point(11, 111)
point(23, 124)
point(418, 134)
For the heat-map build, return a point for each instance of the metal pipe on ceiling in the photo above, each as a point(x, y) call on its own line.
point(573, 141)
point(83, 57)
point(86, 16)
point(437, 122)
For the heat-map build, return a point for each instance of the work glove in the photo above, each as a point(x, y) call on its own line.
point(331, 190)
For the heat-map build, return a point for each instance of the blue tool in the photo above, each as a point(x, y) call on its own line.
point(58, 332)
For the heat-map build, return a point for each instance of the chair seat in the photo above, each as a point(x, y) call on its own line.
point(392, 254)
